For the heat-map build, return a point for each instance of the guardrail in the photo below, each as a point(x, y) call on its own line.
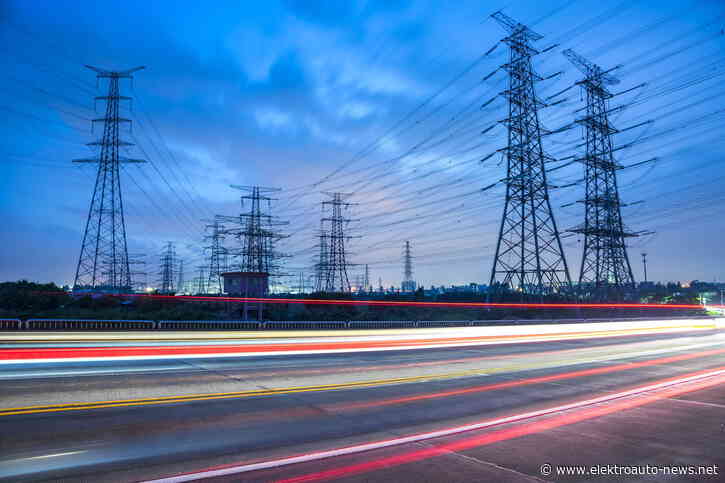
point(208, 325)
point(83, 324)
point(90, 325)
point(10, 324)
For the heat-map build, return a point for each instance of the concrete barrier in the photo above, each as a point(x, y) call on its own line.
point(82, 324)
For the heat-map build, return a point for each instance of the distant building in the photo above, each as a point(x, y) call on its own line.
point(248, 285)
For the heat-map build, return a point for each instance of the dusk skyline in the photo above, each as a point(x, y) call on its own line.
point(378, 99)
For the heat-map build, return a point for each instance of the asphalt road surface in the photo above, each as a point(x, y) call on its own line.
point(493, 412)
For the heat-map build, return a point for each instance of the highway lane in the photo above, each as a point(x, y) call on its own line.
point(286, 405)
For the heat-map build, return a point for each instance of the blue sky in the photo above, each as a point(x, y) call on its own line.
point(287, 94)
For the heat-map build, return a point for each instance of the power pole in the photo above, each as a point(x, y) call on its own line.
point(335, 270)
point(103, 263)
point(167, 271)
point(529, 256)
point(408, 284)
point(217, 257)
point(605, 269)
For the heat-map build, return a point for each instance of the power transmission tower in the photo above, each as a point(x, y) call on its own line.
point(366, 280)
point(644, 263)
point(529, 255)
point(321, 265)
point(200, 281)
point(139, 278)
point(217, 257)
point(408, 284)
point(256, 230)
point(302, 284)
point(167, 270)
point(180, 281)
point(334, 269)
point(605, 269)
point(103, 263)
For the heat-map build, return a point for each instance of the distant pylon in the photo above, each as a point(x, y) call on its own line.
point(335, 268)
point(321, 265)
point(366, 280)
point(605, 272)
point(200, 281)
point(529, 256)
point(256, 231)
point(180, 282)
point(408, 284)
point(217, 257)
point(167, 271)
point(103, 263)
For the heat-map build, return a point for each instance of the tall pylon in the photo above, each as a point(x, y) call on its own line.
point(217, 257)
point(201, 281)
point(180, 288)
point(256, 230)
point(333, 268)
point(408, 284)
point(167, 269)
point(366, 279)
point(321, 264)
point(605, 273)
point(529, 255)
point(103, 263)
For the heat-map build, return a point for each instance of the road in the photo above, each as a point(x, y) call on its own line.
point(486, 411)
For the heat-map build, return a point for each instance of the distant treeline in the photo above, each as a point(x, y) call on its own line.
point(25, 300)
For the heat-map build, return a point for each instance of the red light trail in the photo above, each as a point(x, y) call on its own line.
point(403, 303)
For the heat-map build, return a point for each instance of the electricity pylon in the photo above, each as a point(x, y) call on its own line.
point(529, 255)
point(334, 271)
point(168, 269)
point(217, 257)
point(256, 231)
point(180, 288)
point(103, 263)
point(321, 265)
point(605, 269)
point(408, 284)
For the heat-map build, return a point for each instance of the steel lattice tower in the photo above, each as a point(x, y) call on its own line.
point(529, 256)
point(167, 270)
point(103, 263)
point(180, 281)
point(217, 257)
point(334, 267)
point(408, 284)
point(605, 269)
point(321, 265)
point(256, 231)
point(366, 280)
point(200, 285)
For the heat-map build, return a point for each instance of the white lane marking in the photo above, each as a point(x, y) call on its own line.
point(425, 436)
point(46, 456)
